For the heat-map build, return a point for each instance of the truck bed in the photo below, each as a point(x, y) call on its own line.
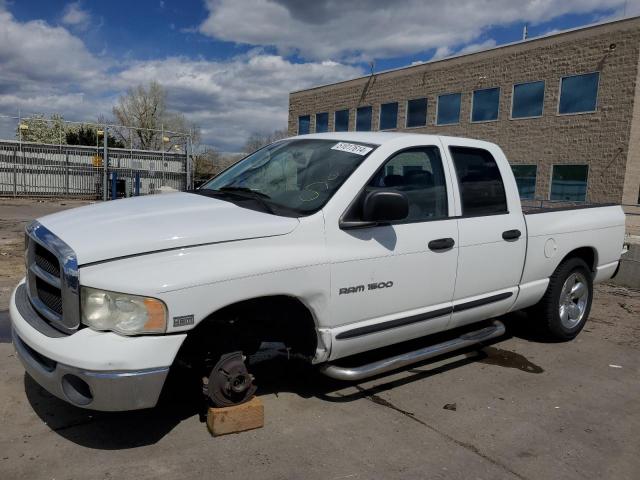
point(531, 207)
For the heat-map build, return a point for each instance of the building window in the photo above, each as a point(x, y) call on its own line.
point(363, 119)
point(569, 182)
point(526, 180)
point(322, 122)
point(417, 112)
point(341, 121)
point(579, 93)
point(303, 124)
point(485, 105)
point(389, 116)
point(481, 186)
point(528, 100)
point(448, 109)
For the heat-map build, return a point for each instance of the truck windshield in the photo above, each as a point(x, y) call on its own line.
point(291, 177)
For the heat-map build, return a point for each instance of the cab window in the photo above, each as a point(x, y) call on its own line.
point(481, 186)
point(418, 173)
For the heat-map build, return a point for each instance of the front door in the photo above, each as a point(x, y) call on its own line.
point(395, 282)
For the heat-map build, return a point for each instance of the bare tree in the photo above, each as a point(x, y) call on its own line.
point(145, 109)
point(209, 162)
point(259, 140)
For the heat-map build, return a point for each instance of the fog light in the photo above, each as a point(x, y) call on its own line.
point(76, 390)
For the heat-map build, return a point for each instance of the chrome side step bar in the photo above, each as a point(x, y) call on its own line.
point(494, 330)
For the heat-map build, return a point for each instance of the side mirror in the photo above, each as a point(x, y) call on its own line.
point(379, 207)
point(383, 206)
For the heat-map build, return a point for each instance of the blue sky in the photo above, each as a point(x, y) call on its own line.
point(229, 65)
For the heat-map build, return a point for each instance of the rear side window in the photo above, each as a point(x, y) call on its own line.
point(418, 173)
point(481, 186)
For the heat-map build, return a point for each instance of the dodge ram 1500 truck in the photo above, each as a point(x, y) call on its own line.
point(329, 244)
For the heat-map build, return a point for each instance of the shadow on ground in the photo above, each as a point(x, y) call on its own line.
point(124, 430)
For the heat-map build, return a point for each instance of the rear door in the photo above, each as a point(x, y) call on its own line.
point(492, 232)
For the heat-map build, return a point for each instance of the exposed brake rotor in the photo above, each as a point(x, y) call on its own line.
point(230, 383)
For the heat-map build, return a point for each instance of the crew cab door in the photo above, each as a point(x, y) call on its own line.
point(395, 282)
point(492, 232)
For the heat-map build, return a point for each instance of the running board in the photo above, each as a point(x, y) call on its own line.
point(494, 330)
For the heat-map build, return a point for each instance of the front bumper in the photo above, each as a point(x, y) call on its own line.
point(89, 369)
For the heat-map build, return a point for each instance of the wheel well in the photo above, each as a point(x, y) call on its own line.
point(244, 325)
point(588, 254)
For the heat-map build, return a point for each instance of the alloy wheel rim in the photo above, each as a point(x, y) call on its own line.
point(573, 300)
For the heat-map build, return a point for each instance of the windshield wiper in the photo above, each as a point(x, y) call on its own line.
point(232, 188)
point(256, 195)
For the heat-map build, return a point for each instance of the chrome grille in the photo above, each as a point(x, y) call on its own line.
point(52, 278)
point(46, 260)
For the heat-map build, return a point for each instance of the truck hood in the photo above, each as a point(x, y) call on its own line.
point(139, 225)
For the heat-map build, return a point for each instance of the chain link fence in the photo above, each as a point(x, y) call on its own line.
point(124, 161)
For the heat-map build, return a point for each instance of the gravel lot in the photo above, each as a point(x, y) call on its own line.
point(520, 408)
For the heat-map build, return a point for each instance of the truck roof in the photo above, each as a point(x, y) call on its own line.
point(377, 138)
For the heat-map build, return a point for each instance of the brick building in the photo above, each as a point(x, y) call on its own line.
point(565, 108)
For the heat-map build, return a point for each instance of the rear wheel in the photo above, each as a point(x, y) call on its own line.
point(565, 307)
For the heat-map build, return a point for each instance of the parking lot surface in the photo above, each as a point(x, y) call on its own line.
point(519, 408)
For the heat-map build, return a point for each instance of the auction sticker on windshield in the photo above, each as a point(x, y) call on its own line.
point(352, 148)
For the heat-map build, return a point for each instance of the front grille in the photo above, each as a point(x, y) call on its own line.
point(52, 279)
point(46, 260)
point(49, 295)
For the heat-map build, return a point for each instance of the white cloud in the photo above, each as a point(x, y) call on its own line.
point(364, 29)
point(233, 98)
point(73, 15)
point(47, 69)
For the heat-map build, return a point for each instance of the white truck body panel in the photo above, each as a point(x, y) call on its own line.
point(200, 254)
point(104, 231)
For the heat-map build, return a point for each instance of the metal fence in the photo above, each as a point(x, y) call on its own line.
point(100, 171)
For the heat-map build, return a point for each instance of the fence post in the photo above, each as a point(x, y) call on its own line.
point(105, 162)
point(15, 172)
point(188, 185)
point(114, 184)
point(66, 173)
point(162, 148)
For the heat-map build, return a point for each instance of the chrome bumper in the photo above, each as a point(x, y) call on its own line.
point(96, 390)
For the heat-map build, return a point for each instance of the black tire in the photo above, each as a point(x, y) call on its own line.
point(547, 311)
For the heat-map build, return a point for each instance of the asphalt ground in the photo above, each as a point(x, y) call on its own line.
point(519, 408)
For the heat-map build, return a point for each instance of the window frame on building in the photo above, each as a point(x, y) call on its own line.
point(586, 181)
point(584, 112)
point(316, 124)
point(513, 92)
point(380, 116)
point(437, 123)
point(335, 114)
point(473, 97)
point(535, 178)
point(426, 112)
point(370, 107)
point(300, 117)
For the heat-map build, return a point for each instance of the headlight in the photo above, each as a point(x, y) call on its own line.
point(122, 313)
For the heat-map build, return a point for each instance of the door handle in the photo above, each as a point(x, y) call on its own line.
point(511, 234)
point(441, 244)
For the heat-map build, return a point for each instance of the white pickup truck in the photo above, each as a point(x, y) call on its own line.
point(327, 245)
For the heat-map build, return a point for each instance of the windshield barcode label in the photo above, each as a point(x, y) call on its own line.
point(352, 148)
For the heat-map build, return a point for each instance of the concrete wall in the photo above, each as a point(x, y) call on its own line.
point(600, 139)
point(629, 273)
